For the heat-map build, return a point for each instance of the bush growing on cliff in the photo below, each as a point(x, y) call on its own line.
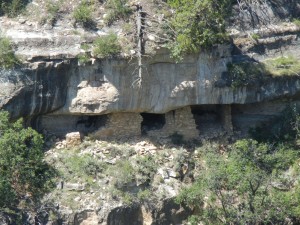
point(197, 24)
point(245, 73)
point(7, 55)
point(83, 14)
point(106, 46)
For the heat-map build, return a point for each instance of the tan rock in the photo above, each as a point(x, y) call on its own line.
point(73, 139)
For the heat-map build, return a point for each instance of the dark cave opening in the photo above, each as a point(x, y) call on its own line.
point(152, 121)
point(88, 124)
point(207, 117)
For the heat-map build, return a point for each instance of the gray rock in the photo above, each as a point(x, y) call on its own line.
point(74, 186)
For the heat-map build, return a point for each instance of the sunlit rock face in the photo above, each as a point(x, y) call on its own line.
point(36, 90)
point(108, 86)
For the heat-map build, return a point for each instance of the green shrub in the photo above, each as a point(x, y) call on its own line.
point(245, 73)
point(123, 174)
point(83, 14)
point(12, 8)
point(145, 168)
point(7, 55)
point(84, 57)
point(23, 171)
point(197, 24)
point(118, 9)
point(238, 187)
point(84, 166)
point(255, 36)
point(144, 195)
point(106, 46)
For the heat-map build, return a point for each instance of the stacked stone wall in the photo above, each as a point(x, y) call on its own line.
point(180, 121)
point(120, 125)
point(226, 118)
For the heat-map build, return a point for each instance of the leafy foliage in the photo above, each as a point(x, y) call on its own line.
point(12, 7)
point(22, 169)
point(284, 127)
point(145, 168)
point(106, 46)
point(240, 187)
point(245, 73)
point(197, 24)
point(7, 55)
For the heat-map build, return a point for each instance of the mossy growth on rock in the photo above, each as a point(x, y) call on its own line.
point(285, 65)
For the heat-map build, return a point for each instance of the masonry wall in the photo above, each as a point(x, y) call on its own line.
point(226, 118)
point(120, 125)
point(180, 121)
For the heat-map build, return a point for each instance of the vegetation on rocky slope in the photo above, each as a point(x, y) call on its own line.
point(251, 181)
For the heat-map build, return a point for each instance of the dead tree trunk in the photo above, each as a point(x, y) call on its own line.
point(140, 45)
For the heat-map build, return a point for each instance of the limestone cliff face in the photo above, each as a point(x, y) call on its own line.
point(36, 90)
point(108, 86)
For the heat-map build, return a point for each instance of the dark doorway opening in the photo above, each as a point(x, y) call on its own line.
point(152, 121)
point(207, 118)
point(88, 124)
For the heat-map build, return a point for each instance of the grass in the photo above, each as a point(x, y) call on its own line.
point(83, 14)
point(8, 58)
point(285, 65)
point(296, 21)
point(255, 36)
